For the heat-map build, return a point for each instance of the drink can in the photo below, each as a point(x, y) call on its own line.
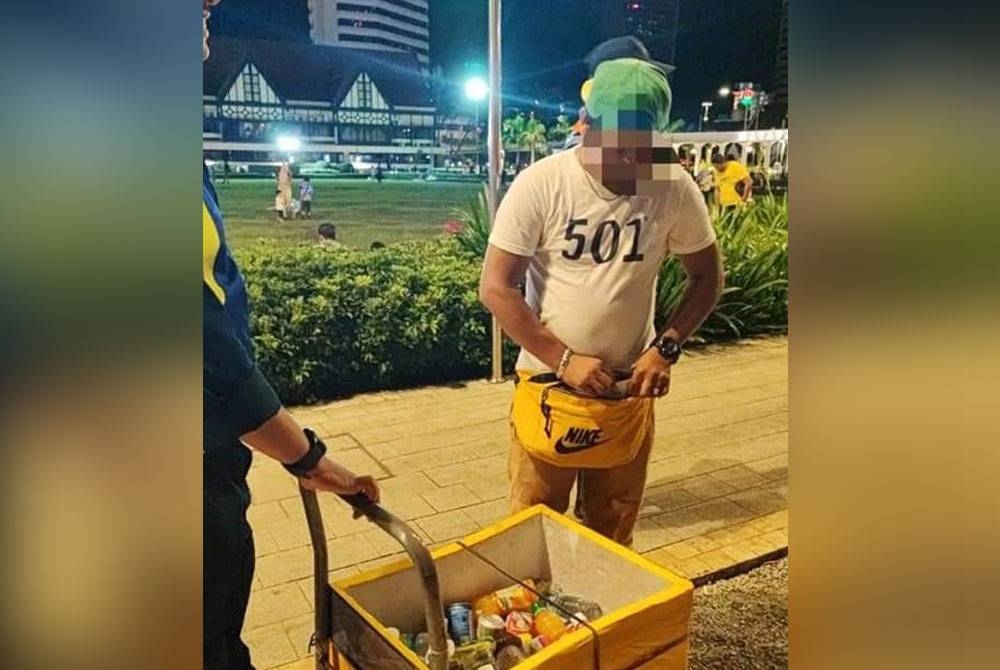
point(473, 655)
point(408, 639)
point(509, 656)
point(421, 643)
point(519, 622)
point(460, 622)
point(490, 627)
point(539, 643)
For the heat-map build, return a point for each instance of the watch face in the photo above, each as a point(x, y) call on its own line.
point(670, 349)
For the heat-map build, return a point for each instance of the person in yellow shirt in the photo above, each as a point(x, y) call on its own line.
point(732, 181)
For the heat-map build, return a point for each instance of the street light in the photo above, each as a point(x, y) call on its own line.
point(476, 90)
point(724, 91)
point(289, 144)
point(705, 106)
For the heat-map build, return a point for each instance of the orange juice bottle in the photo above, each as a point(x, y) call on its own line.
point(548, 623)
point(488, 604)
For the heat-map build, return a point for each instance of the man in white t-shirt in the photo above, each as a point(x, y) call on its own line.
point(587, 231)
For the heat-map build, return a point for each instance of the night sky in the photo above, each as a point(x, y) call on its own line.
point(718, 41)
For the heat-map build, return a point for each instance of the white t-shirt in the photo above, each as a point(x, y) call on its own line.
point(595, 256)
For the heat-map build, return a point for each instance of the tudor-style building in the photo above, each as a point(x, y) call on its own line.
point(336, 101)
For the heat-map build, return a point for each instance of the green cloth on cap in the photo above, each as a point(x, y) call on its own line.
point(629, 94)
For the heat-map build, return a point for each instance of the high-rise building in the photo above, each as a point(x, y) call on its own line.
point(655, 23)
point(388, 25)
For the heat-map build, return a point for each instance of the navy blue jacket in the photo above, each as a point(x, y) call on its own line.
point(237, 397)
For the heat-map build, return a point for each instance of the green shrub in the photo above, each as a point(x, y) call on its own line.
point(754, 246)
point(330, 322)
point(475, 234)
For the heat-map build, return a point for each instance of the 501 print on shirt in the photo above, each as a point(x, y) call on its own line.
point(630, 234)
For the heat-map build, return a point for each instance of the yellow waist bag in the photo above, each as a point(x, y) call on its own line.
point(559, 426)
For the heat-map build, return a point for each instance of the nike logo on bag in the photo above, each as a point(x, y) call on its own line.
point(578, 439)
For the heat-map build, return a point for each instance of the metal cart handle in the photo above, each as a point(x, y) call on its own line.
point(418, 553)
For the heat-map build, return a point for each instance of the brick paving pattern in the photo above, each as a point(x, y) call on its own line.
point(716, 495)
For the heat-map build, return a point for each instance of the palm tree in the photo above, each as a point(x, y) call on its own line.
point(511, 131)
point(533, 136)
point(560, 130)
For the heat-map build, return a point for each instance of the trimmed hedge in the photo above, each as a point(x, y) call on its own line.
point(331, 322)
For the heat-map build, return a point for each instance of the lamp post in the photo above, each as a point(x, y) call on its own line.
point(476, 90)
point(496, 167)
point(705, 106)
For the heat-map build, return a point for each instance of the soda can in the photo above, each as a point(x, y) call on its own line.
point(490, 627)
point(460, 622)
point(539, 643)
point(509, 656)
point(519, 622)
point(408, 639)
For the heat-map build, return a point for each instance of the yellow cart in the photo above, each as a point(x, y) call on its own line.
point(646, 607)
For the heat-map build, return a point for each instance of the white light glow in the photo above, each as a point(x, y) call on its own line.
point(288, 144)
point(476, 89)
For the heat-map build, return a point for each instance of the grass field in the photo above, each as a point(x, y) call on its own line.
point(363, 211)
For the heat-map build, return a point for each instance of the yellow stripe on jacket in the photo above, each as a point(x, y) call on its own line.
point(210, 245)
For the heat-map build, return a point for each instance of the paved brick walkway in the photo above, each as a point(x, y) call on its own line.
point(717, 491)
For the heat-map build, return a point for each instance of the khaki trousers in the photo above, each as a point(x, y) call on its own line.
point(609, 499)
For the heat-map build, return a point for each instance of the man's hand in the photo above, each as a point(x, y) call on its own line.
point(329, 476)
point(650, 375)
point(589, 375)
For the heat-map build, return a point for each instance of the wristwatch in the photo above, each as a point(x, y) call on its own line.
point(669, 348)
point(305, 465)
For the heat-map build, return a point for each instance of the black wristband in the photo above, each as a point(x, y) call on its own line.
point(305, 465)
point(668, 347)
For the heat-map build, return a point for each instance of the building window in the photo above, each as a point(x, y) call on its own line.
point(364, 92)
point(378, 11)
point(251, 84)
point(378, 25)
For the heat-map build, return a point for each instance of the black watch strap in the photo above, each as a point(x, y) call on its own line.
point(669, 348)
point(305, 465)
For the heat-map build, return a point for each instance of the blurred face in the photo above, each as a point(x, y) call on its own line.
point(622, 158)
point(206, 11)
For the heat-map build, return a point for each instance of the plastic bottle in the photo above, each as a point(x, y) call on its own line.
point(517, 597)
point(549, 624)
point(488, 604)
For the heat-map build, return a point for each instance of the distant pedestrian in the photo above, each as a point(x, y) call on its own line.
point(378, 174)
point(732, 181)
point(328, 235)
point(280, 210)
point(226, 170)
point(306, 197)
point(285, 185)
point(706, 183)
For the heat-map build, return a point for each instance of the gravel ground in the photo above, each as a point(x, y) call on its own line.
point(742, 623)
